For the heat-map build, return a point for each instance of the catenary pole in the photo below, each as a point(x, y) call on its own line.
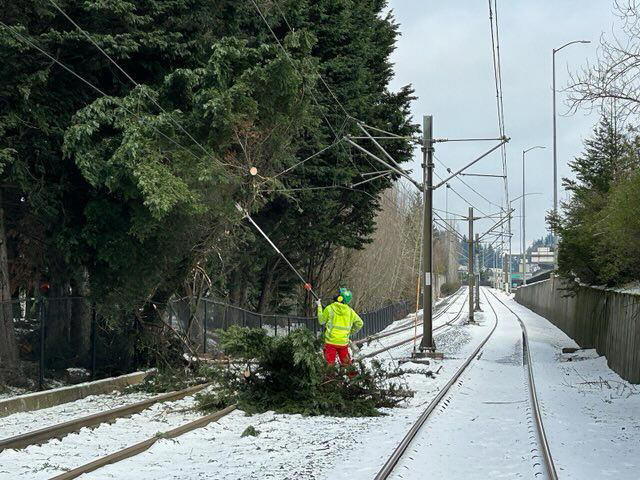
point(479, 271)
point(470, 262)
point(427, 232)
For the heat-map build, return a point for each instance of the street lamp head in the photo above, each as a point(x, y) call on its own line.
point(570, 43)
point(532, 148)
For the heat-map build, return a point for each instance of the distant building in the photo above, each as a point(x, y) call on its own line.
point(542, 256)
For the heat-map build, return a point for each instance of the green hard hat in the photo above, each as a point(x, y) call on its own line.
point(344, 295)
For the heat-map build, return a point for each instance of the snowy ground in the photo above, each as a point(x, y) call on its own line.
point(295, 447)
point(485, 415)
point(23, 422)
point(592, 419)
point(58, 456)
point(591, 415)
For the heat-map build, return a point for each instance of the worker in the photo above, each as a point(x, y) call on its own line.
point(340, 322)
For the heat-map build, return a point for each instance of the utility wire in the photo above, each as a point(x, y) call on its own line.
point(88, 83)
point(130, 78)
point(461, 197)
point(467, 185)
point(315, 100)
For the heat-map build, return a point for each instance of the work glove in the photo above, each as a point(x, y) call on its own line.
point(319, 303)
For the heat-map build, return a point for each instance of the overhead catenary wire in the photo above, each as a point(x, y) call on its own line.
point(348, 117)
point(497, 70)
point(467, 185)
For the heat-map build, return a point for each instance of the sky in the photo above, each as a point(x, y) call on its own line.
point(445, 52)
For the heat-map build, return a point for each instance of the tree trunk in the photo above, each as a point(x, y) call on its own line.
point(8, 348)
point(81, 319)
point(267, 285)
point(57, 318)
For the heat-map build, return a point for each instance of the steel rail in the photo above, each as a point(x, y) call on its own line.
point(397, 454)
point(542, 436)
point(59, 430)
point(403, 342)
point(144, 445)
point(410, 324)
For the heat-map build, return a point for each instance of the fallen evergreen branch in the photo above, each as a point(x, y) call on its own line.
point(289, 375)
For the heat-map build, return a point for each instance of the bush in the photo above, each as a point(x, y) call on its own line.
point(449, 288)
point(289, 375)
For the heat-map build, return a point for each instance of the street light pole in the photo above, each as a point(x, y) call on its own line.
point(524, 244)
point(555, 147)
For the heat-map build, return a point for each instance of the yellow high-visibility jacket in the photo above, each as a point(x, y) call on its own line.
point(340, 321)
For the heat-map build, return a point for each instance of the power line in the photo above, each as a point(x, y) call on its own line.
point(88, 83)
point(122, 70)
point(275, 37)
point(461, 197)
point(467, 185)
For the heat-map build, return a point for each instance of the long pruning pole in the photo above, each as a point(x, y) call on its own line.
point(307, 285)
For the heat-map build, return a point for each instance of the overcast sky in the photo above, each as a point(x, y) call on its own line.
point(445, 53)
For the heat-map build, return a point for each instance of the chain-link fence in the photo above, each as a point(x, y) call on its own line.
point(62, 341)
point(198, 320)
point(56, 339)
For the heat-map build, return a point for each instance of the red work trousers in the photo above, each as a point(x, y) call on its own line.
point(330, 351)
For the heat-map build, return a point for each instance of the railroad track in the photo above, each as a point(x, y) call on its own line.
point(42, 435)
point(388, 468)
point(411, 339)
point(411, 324)
point(60, 430)
point(140, 447)
point(542, 436)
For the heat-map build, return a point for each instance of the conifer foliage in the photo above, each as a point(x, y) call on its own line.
point(288, 375)
point(599, 228)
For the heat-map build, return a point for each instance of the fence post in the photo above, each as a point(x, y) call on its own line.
point(204, 328)
point(260, 320)
point(93, 342)
point(42, 340)
point(288, 324)
point(275, 320)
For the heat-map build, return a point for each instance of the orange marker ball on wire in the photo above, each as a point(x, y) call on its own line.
point(307, 287)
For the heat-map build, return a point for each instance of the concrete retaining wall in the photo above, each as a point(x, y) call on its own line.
point(606, 320)
point(57, 396)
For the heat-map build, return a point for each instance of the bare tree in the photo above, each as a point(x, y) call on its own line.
point(615, 76)
point(387, 269)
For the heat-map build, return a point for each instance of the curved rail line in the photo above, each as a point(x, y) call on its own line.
point(408, 340)
point(395, 457)
point(411, 324)
point(397, 454)
point(59, 430)
point(542, 436)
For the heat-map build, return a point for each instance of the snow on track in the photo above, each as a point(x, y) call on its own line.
point(296, 447)
point(24, 422)
point(484, 415)
point(591, 416)
point(406, 349)
point(75, 449)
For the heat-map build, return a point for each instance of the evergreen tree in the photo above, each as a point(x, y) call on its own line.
point(109, 196)
point(609, 157)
